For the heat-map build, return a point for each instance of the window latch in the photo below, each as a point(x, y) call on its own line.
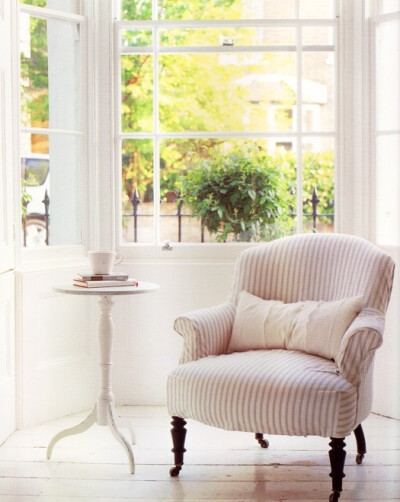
point(167, 246)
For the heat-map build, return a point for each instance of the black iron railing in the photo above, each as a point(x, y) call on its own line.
point(35, 226)
point(41, 222)
point(136, 216)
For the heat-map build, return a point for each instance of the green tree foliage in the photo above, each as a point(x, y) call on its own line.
point(172, 9)
point(318, 168)
point(136, 10)
point(318, 174)
point(243, 195)
point(36, 3)
point(34, 76)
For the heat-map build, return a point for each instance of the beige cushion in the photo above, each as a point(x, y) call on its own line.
point(262, 324)
point(274, 391)
point(315, 327)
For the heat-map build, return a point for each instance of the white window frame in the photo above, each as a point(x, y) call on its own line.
point(377, 19)
point(26, 257)
point(211, 250)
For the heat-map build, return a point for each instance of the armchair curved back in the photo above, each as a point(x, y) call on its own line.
point(315, 267)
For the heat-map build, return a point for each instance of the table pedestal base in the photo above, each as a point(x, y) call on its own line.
point(113, 421)
point(103, 412)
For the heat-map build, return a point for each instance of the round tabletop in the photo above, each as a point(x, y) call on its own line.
point(143, 287)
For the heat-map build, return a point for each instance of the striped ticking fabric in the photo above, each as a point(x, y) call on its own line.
point(283, 391)
point(272, 391)
point(315, 267)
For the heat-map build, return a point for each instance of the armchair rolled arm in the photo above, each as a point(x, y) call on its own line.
point(206, 331)
point(361, 339)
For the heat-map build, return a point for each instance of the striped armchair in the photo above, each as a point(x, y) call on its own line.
point(291, 350)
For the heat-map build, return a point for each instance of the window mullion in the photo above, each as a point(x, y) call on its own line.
point(224, 23)
point(208, 49)
point(44, 13)
point(299, 171)
point(156, 157)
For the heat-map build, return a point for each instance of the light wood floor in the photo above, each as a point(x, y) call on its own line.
point(219, 465)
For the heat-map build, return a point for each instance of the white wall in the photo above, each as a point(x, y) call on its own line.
point(387, 364)
point(57, 336)
point(7, 356)
point(56, 348)
point(146, 346)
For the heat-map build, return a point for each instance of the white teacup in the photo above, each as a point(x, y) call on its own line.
point(103, 262)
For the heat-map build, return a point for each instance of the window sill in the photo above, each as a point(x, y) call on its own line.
point(52, 257)
point(184, 252)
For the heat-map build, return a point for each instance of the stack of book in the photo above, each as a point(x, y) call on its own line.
point(117, 279)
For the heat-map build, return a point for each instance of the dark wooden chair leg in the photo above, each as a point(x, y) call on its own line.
point(264, 443)
point(178, 433)
point(337, 456)
point(361, 444)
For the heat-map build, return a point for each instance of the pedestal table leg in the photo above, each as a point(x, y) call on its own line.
point(76, 429)
point(105, 401)
point(103, 412)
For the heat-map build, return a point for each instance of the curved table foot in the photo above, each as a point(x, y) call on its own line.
point(120, 437)
point(126, 423)
point(76, 429)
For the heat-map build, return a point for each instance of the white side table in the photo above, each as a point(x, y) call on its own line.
point(103, 412)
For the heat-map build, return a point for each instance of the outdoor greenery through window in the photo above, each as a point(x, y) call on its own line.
point(227, 118)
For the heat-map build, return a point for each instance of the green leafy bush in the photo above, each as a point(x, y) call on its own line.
point(242, 195)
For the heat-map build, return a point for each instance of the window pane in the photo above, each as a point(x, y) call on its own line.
point(136, 38)
point(387, 189)
point(316, 35)
point(3, 170)
point(136, 10)
point(72, 6)
point(226, 9)
point(241, 189)
point(137, 93)
point(50, 74)
point(239, 92)
point(318, 184)
point(51, 189)
point(51, 86)
point(318, 92)
point(310, 9)
point(388, 73)
point(35, 169)
point(389, 6)
point(34, 72)
point(197, 37)
point(137, 191)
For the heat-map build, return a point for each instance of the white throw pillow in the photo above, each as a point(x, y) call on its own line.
point(315, 327)
point(321, 325)
point(262, 324)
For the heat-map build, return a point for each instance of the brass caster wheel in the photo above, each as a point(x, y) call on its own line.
point(359, 458)
point(334, 497)
point(174, 471)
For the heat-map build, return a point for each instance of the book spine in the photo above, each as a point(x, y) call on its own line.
point(103, 277)
point(104, 284)
point(81, 284)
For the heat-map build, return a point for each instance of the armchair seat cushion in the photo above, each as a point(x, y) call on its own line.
point(271, 391)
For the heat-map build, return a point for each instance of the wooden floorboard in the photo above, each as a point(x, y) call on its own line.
point(219, 465)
